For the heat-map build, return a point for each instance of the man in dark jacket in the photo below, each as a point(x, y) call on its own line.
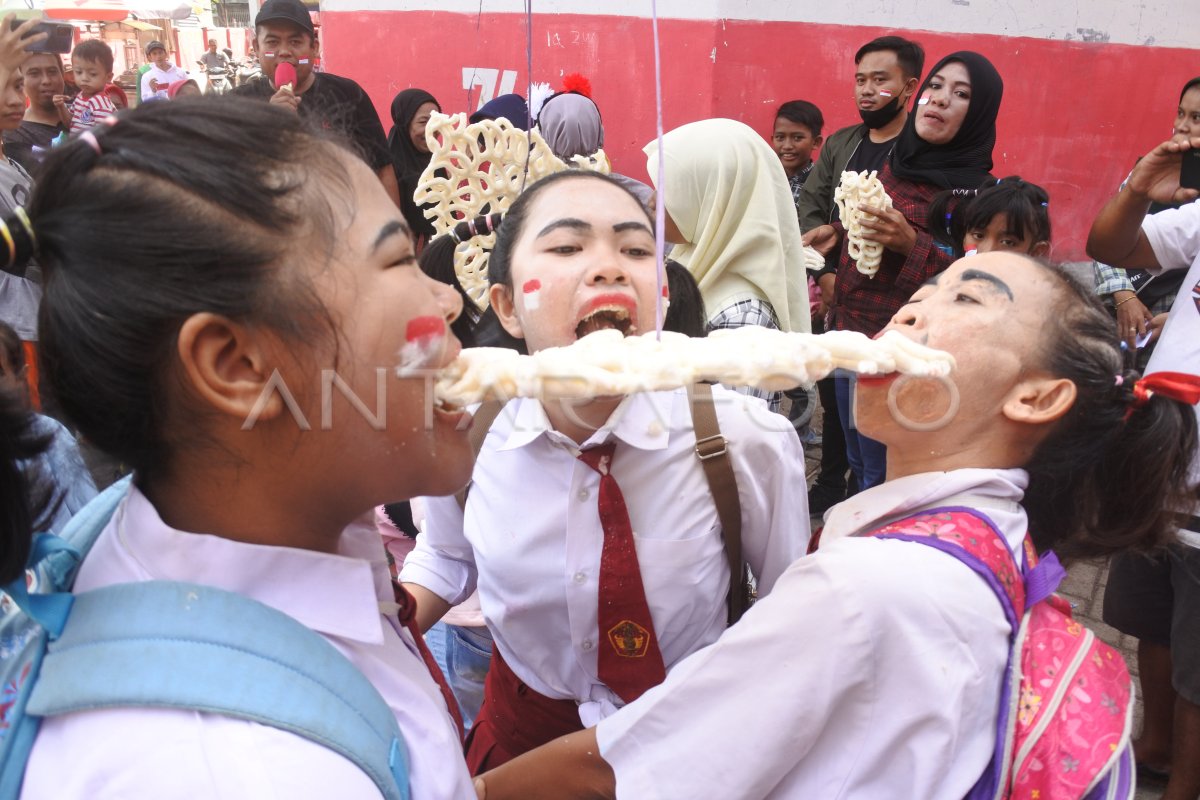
point(888, 71)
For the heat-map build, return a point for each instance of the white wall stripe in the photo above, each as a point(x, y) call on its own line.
point(1160, 23)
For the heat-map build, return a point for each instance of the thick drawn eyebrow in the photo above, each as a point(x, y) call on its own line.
point(987, 277)
point(932, 281)
point(565, 222)
point(387, 231)
point(621, 227)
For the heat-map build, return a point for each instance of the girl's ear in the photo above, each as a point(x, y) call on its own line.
point(501, 298)
point(1040, 400)
point(228, 367)
point(1040, 250)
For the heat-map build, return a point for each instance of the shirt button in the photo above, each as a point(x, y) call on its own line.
point(584, 494)
point(579, 577)
point(587, 644)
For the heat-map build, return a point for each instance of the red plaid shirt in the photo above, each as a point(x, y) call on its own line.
point(865, 304)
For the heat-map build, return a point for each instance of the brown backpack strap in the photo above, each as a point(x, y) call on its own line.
point(713, 450)
point(481, 423)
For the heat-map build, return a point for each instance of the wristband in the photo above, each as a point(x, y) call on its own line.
point(1126, 300)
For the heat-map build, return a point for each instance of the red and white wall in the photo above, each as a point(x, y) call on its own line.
point(1089, 86)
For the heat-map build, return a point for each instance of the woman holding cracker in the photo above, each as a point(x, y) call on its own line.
point(946, 144)
point(589, 528)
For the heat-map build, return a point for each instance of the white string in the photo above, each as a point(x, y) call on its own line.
point(660, 206)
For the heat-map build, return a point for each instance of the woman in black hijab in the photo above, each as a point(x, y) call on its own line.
point(945, 144)
point(410, 155)
point(966, 160)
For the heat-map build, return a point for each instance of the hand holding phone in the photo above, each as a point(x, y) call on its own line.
point(1189, 170)
point(15, 36)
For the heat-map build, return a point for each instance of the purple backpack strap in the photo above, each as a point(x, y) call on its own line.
point(972, 538)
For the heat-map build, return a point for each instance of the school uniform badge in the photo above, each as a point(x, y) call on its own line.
point(628, 639)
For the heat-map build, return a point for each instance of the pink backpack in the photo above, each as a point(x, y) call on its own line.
point(1066, 706)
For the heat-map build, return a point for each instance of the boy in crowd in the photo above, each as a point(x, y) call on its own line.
point(284, 33)
point(92, 63)
point(797, 133)
point(162, 73)
point(43, 82)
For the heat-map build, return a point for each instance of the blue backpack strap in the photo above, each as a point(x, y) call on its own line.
point(44, 604)
point(177, 645)
point(54, 560)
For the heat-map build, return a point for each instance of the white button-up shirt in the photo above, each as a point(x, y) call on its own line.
point(1174, 236)
point(872, 671)
point(168, 753)
point(531, 536)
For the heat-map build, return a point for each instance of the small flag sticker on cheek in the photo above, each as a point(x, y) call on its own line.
point(884, 93)
point(924, 101)
point(532, 290)
point(301, 60)
point(268, 55)
point(424, 342)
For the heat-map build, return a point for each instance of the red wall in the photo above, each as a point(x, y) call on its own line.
point(1074, 118)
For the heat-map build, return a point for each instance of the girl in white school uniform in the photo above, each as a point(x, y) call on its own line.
point(576, 254)
point(186, 334)
point(874, 668)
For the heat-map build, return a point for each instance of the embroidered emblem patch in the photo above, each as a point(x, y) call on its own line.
point(629, 639)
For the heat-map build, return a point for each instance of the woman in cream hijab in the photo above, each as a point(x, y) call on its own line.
point(730, 213)
point(731, 216)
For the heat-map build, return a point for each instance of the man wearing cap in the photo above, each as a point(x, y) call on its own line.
point(284, 33)
point(162, 73)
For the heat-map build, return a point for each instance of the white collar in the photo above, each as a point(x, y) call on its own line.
point(998, 489)
point(337, 594)
point(644, 420)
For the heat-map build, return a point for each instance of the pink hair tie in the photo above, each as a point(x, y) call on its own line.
point(1120, 380)
point(92, 141)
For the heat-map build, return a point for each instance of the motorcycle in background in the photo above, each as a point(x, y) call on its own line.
point(247, 70)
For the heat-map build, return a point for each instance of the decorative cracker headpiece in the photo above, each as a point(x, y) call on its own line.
point(483, 164)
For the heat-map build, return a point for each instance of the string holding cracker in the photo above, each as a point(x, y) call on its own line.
point(481, 168)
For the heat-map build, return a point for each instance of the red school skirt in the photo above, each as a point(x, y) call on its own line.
point(514, 719)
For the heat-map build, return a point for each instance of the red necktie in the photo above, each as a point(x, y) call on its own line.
point(628, 656)
point(408, 618)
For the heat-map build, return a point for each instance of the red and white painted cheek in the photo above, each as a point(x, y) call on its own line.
point(665, 301)
point(531, 294)
point(425, 343)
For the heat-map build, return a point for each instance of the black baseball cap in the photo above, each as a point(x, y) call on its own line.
point(155, 45)
point(288, 10)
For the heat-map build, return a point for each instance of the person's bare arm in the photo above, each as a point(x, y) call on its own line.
point(430, 607)
point(1116, 237)
point(570, 768)
point(387, 176)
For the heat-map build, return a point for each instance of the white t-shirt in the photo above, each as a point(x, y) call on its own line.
point(531, 536)
point(1174, 236)
point(162, 79)
point(873, 669)
point(167, 753)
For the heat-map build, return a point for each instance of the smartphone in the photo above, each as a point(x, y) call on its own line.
point(60, 36)
point(1189, 170)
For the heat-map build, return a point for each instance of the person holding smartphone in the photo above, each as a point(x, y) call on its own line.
point(1158, 599)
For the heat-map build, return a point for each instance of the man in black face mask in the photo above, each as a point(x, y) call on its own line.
point(888, 70)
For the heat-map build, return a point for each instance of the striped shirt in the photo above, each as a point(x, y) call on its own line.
point(88, 111)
